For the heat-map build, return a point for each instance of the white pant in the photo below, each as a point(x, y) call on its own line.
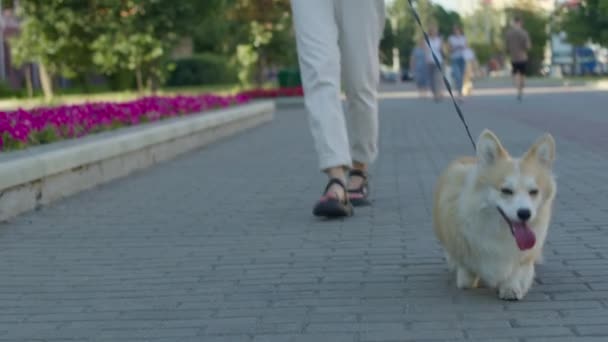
point(339, 40)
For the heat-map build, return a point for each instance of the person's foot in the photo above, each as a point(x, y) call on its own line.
point(358, 187)
point(334, 202)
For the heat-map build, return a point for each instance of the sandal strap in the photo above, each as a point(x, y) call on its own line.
point(333, 181)
point(359, 173)
point(364, 187)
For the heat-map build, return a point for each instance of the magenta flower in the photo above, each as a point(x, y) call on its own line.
point(71, 121)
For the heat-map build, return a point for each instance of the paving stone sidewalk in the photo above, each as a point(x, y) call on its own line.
point(221, 245)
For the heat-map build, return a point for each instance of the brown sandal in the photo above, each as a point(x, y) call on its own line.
point(330, 205)
point(359, 197)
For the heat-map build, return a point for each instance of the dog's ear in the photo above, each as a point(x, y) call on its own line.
point(489, 148)
point(542, 151)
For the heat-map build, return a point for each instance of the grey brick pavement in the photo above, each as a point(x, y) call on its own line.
point(221, 245)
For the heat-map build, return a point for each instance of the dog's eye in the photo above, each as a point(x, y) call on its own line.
point(533, 192)
point(506, 191)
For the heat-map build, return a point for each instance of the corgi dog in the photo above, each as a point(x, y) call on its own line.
point(491, 214)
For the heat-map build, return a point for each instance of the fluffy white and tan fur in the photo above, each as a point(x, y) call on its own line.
point(476, 238)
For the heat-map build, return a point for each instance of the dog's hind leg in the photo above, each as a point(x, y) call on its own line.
point(450, 262)
point(466, 279)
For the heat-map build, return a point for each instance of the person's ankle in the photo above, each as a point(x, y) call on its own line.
point(359, 166)
point(355, 181)
point(338, 173)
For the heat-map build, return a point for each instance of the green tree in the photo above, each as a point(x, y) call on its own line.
point(586, 22)
point(387, 43)
point(408, 31)
point(406, 28)
point(139, 35)
point(55, 34)
point(484, 32)
point(73, 37)
point(213, 33)
point(446, 20)
point(265, 36)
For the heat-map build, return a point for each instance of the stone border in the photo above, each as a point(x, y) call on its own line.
point(601, 85)
point(43, 174)
point(289, 101)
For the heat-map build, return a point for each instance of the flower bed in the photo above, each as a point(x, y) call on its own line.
point(24, 128)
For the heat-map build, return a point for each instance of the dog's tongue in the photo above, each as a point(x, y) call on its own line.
point(523, 235)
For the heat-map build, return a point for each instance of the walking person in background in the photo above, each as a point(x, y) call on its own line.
point(517, 44)
point(339, 40)
point(433, 72)
point(457, 43)
point(470, 71)
point(418, 66)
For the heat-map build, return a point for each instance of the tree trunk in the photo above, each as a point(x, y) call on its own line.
point(84, 82)
point(153, 84)
point(139, 79)
point(259, 71)
point(46, 82)
point(28, 80)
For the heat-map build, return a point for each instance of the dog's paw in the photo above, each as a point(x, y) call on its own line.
point(511, 293)
point(516, 287)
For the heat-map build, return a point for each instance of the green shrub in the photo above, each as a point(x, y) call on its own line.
point(122, 80)
point(6, 91)
point(202, 69)
point(289, 78)
point(483, 51)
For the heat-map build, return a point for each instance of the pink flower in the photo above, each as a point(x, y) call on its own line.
point(70, 121)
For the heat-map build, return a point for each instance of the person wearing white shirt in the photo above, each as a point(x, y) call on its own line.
point(433, 72)
point(457, 43)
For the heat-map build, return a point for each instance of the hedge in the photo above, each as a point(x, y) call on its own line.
point(202, 69)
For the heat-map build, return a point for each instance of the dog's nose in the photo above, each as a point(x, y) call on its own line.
point(524, 214)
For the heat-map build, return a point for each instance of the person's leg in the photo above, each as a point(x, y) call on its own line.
point(361, 23)
point(438, 80)
point(467, 83)
point(518, 77)
point(518, 84)
point(514, 74)
point(432, 80)
point(456, 75)
point(461, 70)
point(522, 79)
point(316, 33)
point(423, 72)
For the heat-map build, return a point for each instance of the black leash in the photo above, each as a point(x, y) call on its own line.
point(445, 80)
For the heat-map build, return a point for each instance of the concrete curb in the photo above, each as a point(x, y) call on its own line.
point(289, 101)
point(43, 174)
point(601, 85)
